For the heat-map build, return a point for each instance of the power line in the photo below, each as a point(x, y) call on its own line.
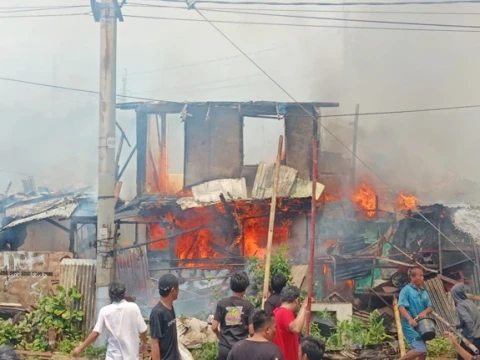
point(196, 63)
point(41, 15)
point(398, 3)
point(313, 10)
point(70, 88)
point(232, 22)
point(48, 8)
point(436, 109)
point(327, 130)
point(346, 19)
point(182, 87)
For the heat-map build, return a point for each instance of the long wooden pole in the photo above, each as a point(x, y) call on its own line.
point(398, 323)
point(271, 223)
point(313, 223)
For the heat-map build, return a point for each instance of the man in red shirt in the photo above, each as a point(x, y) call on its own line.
point(289, 326)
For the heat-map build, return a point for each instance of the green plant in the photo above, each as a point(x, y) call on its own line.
point(208, 351)
point(440, 347)
point(93, 352)
point(54, 323)
point(375, 332)
point(9, 333)
point(354, 333)
point(256, 270)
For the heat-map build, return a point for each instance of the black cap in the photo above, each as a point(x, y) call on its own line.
point(167, 282)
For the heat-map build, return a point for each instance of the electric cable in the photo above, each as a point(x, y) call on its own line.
point(329, 132)
point(47, 8)
point(347, 19)
point(72, 89)
point(274, 3)
point(313, 10)
point(302, 25)
point(41, 15)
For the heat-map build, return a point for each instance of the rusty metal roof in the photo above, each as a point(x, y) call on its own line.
point(442, 302)
point(40, 209)
point(81, 274)
point(250, 108)
point(132, 270)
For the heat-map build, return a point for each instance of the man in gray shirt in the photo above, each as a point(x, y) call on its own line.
point(468, 314)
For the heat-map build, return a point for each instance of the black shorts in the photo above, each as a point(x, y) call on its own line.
point(223, 352)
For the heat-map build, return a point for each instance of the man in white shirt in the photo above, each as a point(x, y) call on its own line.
point(123, 323)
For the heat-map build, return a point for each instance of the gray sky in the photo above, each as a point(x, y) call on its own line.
point(53, 134)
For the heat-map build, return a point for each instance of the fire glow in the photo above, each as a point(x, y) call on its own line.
point(206, 233)
point(365, 199)
point(406, 202)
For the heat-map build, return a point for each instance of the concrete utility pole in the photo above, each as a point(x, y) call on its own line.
point(106, 12)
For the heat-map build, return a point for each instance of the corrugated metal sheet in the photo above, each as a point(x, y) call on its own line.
point(35, 206)
point(210, 191)
point(303, 189)
point(442, 303)
point(263, 185)
point(81, 274)
point(132, 270)
point(62, 211)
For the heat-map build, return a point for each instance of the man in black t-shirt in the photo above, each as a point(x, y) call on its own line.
point(260, 345)
point(275, 300)
point(233, 315)
point(163, 325)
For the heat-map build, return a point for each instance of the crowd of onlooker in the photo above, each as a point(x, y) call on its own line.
point(243, 332)
point(246, 333)
point(274, 333)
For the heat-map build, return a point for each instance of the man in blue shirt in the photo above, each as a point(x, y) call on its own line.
point(414, 303)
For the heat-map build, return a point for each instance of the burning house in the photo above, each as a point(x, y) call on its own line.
point(208, 220)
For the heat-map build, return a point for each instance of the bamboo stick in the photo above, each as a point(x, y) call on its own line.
point(398, 324)
point(271, 223)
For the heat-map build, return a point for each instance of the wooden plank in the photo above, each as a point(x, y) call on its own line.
point(299, 273)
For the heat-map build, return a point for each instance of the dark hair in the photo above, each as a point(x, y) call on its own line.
point(239, 282)
point(166, 283)
point(413, 271)
point(116, 291)
point(8, 353)
point(278, 283)
point(290, 294)
point(261, 319)
point(312, 347)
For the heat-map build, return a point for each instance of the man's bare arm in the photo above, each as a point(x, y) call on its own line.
point(143, 339)
point(155, 349)
point(215, 328)
point(88, 341)
point(407, 316)
point(296, 325)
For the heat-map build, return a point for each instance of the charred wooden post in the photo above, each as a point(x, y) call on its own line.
point(141, 151)
point(163, 155)
point(230, 228)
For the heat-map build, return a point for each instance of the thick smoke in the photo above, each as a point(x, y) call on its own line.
point(53, 134)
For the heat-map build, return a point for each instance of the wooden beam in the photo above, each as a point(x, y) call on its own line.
point(142, 125)
point(60, 226)
point(127, 162)
point(398, 325)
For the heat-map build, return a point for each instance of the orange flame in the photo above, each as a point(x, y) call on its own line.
point(211, 242)
point(406, 202)
point(365, 199)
